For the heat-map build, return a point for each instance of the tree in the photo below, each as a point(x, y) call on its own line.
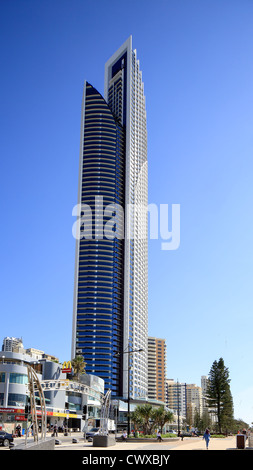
point(78, 365)
point(161, 417)
point(145, 413)
point(205, 421)
point(147, 417)
point(136, 419)
point(219, 397)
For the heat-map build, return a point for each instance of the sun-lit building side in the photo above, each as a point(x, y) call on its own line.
point(110, 314)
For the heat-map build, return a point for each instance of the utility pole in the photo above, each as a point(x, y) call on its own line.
point(178, 421)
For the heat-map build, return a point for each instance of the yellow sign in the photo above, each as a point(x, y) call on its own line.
point(67, 366)
point(64, 415)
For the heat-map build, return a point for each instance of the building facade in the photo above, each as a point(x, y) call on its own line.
point(110, 312)
point(176, 397)
point(194, 402)
point(204, 385)
point(156, 369)
point(10, 342)
point(64, 398)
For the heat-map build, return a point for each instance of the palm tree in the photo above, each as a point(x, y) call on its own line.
point(136, 419)
point(161, 417)
point(78, 365)
point(145, 416)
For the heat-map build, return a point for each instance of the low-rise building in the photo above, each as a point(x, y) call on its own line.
point(64, 397)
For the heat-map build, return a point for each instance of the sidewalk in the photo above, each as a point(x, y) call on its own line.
point(214, 444)
point(191, 443)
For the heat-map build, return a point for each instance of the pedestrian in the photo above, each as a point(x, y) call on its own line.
point(18, 430)
point(158, 435)
point(124, 436)
point(55, 430)
point(207, 437)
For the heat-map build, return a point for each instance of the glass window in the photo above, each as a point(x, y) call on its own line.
point(2, 377)
point(16, 399)
point(18, 378)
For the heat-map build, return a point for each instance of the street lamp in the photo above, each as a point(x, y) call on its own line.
point(128, 385)
point(178, 421)
point(178, 407)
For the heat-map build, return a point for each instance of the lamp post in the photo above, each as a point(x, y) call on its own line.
point(128, 384)
point(178, 421)
point(178, 406)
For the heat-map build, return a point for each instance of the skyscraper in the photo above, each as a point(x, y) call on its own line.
point(110, 314)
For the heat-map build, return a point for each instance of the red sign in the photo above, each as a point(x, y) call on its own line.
point(20, 418)
point(18, 410)
point(11, 410)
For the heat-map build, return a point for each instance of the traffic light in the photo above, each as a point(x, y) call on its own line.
point(27, 410)
point(85, 411)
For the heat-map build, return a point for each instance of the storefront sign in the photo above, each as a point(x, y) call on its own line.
point(67, 367)
point(11, 410)
point(20, 418)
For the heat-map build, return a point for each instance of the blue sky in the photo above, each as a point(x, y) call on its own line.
point(197, 63)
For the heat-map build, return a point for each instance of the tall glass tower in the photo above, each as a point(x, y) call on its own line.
point(110, 314)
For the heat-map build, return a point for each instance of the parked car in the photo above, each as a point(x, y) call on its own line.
point(91, 433)
point(5, 438)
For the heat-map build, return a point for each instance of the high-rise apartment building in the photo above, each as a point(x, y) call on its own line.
point(110, 314)
point(205, 409)
point(156, 369)
point(9, 343)
point(194, 402)
point(176, 396)
point(204, 385)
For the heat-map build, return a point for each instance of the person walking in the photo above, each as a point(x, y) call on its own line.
point(207, 437)
point(18, 430)
point(55, 433)
point(159, 436)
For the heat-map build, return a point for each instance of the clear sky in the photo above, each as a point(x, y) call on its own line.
point(197, 62)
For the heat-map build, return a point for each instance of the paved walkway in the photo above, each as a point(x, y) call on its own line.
point(199, 443)
point(191, 443)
